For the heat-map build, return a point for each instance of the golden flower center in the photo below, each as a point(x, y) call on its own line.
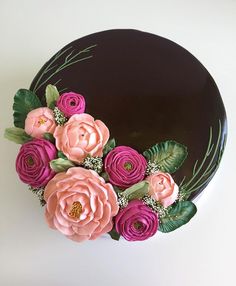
point(138, 225)
point(30, 161)
point(76, 210)
point(41, 121)
point(128, 166)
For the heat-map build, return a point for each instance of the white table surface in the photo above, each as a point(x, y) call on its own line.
point(202, 253)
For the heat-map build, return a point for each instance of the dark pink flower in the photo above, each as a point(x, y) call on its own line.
point(71, 103)
point(125, 166)
point(32, 162)
point(136, 222)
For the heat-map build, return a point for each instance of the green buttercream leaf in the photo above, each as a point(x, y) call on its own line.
point(114, 234)
point(117, 189)
point(105, 176)
point(168, 155)
point(61, 165)
point(51, 95)
point(111, 144)
point(61, 155)
point(17, 135)
point(137, 191)
point(24, 101)
point(178, 215)
point(49, 137)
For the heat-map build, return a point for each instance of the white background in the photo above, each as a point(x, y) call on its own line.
point(200, 253)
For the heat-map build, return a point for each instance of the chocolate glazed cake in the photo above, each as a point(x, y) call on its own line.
point(146, 89)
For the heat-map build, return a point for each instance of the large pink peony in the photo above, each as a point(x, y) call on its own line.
point(81, 136)
point(163, 188)
point(40, 121)
point(80, 204)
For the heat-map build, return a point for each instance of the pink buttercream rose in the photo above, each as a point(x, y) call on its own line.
point(80, 204)
point(71, 103)
point(163, 188)
point(32, 162)
point(136, 222)
point(125, 166)
point(39, 121)
point(81, 136)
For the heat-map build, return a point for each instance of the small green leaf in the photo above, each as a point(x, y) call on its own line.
point(111, 144)
point(137, 191)
point(117, 189)
point(61, 155)
point(114, 234)
point(105, 176)
point(61, 165)
point(168, 155)
point(49, 137)
point(51, 95)
point(178, 215)
point(17, 135)
point(24, 101)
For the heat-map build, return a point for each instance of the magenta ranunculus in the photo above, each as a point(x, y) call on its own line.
point(136, 222)
point(32, 162)
point(125, 166)
point(71, 103)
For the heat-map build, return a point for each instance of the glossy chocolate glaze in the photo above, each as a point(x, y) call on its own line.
point(146, 89)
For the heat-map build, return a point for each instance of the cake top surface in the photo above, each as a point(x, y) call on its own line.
point(147, 89)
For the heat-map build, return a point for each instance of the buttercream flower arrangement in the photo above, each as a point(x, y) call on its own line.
point(87, 184)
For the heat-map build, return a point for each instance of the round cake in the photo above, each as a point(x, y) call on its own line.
point(120, 131)
point(147, 89)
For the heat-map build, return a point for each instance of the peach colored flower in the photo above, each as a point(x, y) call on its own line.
point(39, 121)
point(163, 188)
point(81, 136)
point(80, 204)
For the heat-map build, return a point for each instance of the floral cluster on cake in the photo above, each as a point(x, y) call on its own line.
point(88, 185)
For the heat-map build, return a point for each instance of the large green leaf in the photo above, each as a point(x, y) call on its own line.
point(168, 155)
point(61, 165)
point(111, 144)
point(24, 101)
point(178, 215)
point(136, 191)
point(51, 95)
point(17, 135)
